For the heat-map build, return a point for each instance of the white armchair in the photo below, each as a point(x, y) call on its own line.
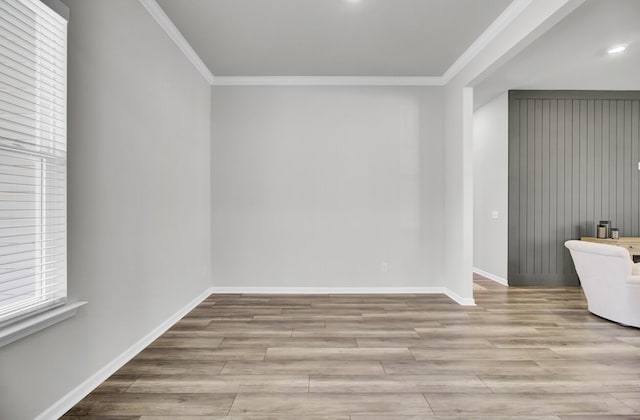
point(611, 282)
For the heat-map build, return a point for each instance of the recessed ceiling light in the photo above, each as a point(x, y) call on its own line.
point(352, 1)
point(617, 49)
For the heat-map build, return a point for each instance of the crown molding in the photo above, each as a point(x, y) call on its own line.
point(506, 17)
point(165, 23)
point(325, 81)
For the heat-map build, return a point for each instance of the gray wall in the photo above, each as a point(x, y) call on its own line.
point(573, 160)
point(318, 186)
point(490, 173)
point(139, 201)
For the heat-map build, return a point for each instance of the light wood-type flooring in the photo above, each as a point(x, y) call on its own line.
point(529, 353)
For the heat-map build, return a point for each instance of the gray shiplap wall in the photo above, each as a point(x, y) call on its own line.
point(573, 160)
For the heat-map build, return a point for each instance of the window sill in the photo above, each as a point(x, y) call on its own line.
point(38, 322)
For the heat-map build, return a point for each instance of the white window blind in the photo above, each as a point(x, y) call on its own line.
point(33, 225)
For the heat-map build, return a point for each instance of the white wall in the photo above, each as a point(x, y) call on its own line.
point(458, 199)
point(490, 185)
point(318, 186)
point(517, 33)
point(139, 201)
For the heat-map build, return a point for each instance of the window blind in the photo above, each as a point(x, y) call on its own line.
point(33, 225)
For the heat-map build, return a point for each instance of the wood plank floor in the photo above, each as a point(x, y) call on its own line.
point(522, 353)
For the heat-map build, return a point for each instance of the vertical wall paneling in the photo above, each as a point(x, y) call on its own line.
point(573, 160)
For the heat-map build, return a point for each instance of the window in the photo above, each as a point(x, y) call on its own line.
point(33, 49)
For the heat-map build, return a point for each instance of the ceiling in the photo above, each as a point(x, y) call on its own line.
point(572, 55)
point(368, 38)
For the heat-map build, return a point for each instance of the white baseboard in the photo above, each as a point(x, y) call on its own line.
point(459, 299)
point(327, 290)
point(490, 276)
point(345, 290)
point(82, 390)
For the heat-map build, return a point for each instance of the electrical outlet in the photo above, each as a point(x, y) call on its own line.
point(495, 214)
point(384, 267)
